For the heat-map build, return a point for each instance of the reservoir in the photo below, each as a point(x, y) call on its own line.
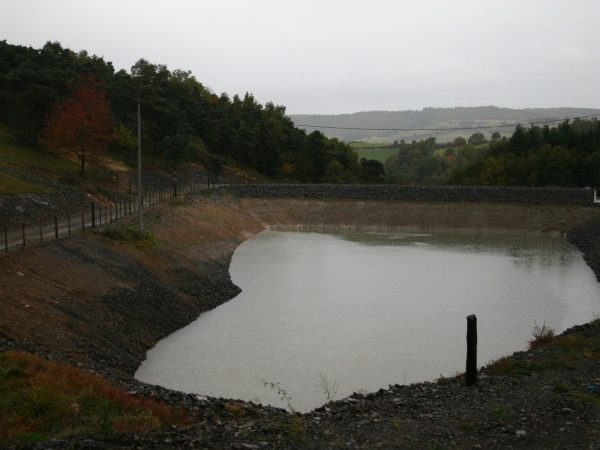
point(364, 310)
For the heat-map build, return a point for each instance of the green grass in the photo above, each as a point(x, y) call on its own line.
point(369, 144)
point(10, 185)
point(32, 160)
point(379, 154)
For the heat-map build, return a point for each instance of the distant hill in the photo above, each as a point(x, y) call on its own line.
point(432, 118)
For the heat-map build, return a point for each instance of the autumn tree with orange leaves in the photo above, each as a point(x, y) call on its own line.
point(80, 125)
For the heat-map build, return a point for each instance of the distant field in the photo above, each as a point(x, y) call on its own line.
point(368, 144)
point(380, 154)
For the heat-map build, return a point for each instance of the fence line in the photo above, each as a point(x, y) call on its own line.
point(98, 216)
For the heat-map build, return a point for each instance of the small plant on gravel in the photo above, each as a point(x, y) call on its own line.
point(328, 388)
point(467, 427)
point(502, 366)
point(499, 412)
point(561, 388)
point(396, 421)
point(572, 341)
point(281, 392)
point(237, 410)
point(541, 335)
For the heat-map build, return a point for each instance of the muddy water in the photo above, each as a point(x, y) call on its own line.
point(368, 310)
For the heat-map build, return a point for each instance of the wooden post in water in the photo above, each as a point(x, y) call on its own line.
point(23, 232)
point(471, 372)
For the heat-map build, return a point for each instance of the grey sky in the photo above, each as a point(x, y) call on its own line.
point(328, 56)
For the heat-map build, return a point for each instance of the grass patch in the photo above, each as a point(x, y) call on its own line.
point(10, 185)
point(32, 160)
point(499, 412)
point(358, 145)
point(131, 235)
point(378, 154)
point(467, 427)
point(40, 399)
point(177, 201)
point(572, 341)
point(502, 366)
point(561, 388)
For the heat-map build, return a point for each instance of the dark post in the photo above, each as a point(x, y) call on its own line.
point(110, 212)
point(6, 239)
point(82, 221)
point(117, 182)
point(55, 227)
point(93, 216)
point(69, 223)
point(129, 185)
point(23, 231)
point(175, 190)
point(471, 350)
point(41, 233)
point(100, 214)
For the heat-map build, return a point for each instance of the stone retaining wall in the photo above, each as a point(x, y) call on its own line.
point(556, 196)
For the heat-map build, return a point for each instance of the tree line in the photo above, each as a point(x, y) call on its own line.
point(47, 96)
point(566, 155)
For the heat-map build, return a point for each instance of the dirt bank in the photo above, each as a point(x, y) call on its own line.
point(385, 215)
point(107, 301)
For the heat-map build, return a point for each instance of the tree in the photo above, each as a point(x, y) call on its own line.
point(495, 136)
point(459, 141)
point(477, 138)
point(81, 124)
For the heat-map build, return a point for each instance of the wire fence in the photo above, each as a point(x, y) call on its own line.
point(100, 215)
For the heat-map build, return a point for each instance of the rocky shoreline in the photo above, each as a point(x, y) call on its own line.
point(515, 407)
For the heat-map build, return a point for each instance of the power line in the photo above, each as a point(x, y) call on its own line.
point(446, 129)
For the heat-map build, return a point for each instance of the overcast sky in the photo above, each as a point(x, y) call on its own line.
point(332, 57)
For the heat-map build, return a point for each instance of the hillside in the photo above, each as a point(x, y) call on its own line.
point(432, 118)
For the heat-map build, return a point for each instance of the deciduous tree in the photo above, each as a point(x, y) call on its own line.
point(80, 125)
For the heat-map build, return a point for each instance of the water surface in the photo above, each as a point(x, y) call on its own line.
point(367, 310)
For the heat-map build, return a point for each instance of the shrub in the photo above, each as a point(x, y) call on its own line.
point(541, 335)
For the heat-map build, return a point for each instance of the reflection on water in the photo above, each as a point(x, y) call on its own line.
point(368, 310)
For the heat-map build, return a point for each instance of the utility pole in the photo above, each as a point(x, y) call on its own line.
point(139, 180)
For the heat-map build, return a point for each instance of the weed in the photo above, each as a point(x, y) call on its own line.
point(178, 201)
point(467, 427)
point(131, 235)
point(554, 362)
point(396, 421)
point(572, 341)
point(327, 388)
point(499, 412)
point(561, 388)
point(502, 366)
point(541, 335)
point(237, 410)
point(282, 392)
